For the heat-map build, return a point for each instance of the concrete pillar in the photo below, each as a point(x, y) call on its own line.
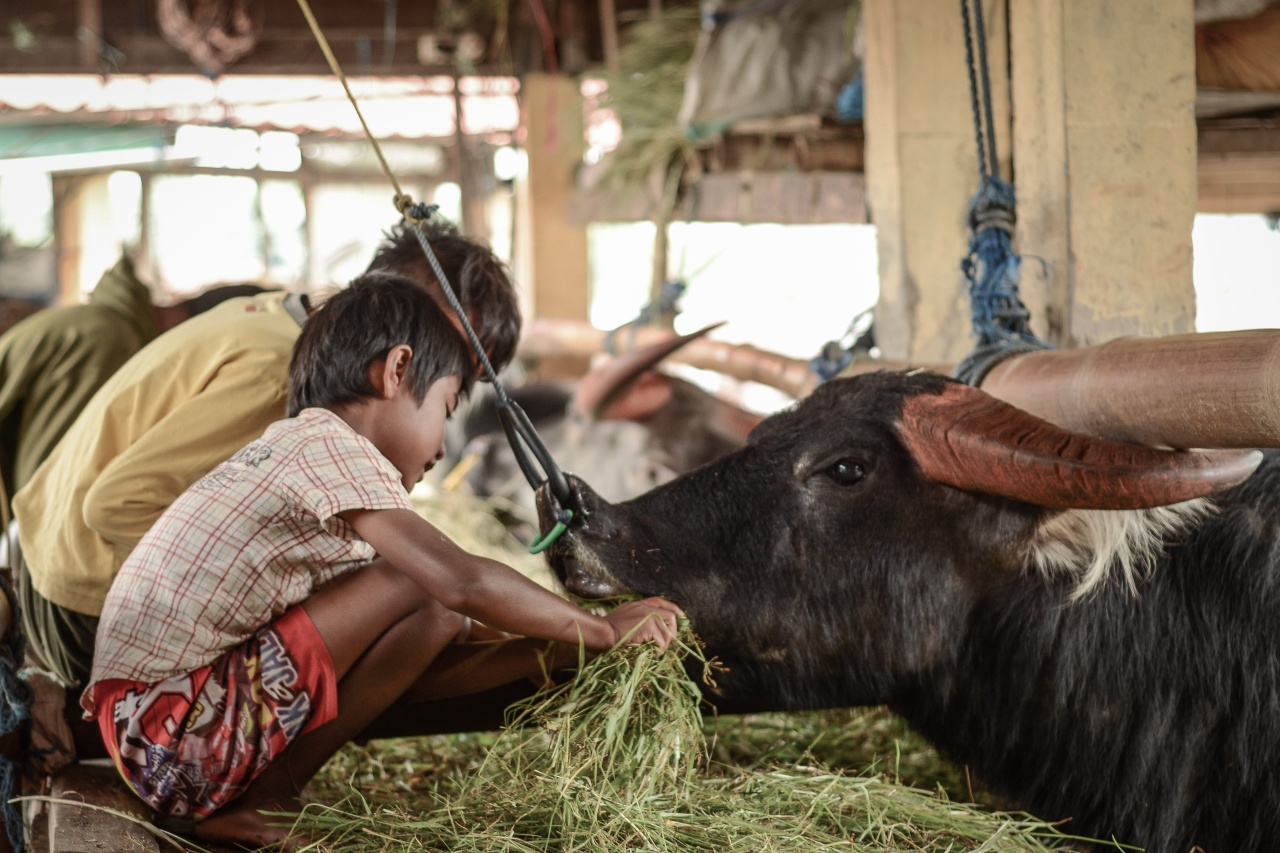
point(1105, 155)
point(86, 245)
point(922, 167)
point(552, 251)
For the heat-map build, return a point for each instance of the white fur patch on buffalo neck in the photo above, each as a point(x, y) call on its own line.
point(1095, 545)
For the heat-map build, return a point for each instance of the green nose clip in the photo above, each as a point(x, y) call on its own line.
point(542, 543)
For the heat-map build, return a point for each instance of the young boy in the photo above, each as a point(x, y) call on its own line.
point(252, 632)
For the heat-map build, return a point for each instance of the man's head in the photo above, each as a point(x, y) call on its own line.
point(168, 316)
point(354, 332)
point(480, 280)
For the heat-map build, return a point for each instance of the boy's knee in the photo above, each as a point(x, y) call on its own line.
point(432, 616)
point(439, 619)
point(392, 578)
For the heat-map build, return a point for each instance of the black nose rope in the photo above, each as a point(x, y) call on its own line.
point(535, 461)
point(531, 454)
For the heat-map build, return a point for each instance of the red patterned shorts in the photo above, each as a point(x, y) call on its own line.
point(192, 743)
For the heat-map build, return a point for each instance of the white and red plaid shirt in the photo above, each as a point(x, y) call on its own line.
point(257, 535)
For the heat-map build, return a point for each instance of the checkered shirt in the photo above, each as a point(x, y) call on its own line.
point(255, 536)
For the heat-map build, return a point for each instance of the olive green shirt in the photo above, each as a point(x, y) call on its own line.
point(54, 361)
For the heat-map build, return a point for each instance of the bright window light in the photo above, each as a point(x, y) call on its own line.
point(279, 151)
point(509, 163)
point(449, 197)
point(217, 147)
point(26, 207)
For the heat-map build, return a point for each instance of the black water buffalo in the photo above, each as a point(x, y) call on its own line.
point(1070, 617)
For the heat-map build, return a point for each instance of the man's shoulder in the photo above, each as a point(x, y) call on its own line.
point(254, 330)
point(247, 317)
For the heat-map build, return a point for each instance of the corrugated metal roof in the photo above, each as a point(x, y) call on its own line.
point(394, 107)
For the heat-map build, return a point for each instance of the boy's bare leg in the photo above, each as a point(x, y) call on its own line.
point(391, 647)
point(462, 669)
point(469, 687)
point(382, 631)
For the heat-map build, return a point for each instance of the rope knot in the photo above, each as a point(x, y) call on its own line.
point(420, 212)
point(993, 206)
point(828, 363)
point(1001, 323)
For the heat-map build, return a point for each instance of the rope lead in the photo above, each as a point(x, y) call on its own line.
point(528, 448)
point(1001, 323)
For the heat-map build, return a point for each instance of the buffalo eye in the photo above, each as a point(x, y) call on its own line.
point(846, 472)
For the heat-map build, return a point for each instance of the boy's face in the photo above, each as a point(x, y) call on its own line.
point(415, 441)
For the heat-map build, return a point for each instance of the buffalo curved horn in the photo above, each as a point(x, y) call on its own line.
point(966, 438)
point(604, 384)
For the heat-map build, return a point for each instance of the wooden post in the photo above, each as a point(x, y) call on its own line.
point(475, 220)
point(1105, 148)
point(553, 250)
point(84, 249)
point(312, 277)
point(142, 260)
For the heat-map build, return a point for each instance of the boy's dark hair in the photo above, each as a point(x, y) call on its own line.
point(361, 324)
point(480, 280)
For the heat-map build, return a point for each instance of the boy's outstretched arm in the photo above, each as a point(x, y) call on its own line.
point(498, 595)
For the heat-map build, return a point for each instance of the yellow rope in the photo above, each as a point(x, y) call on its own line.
point(403, 201)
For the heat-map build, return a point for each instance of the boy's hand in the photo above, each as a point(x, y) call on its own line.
point(654, 620)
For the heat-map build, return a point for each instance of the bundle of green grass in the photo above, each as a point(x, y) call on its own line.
point(619, 759)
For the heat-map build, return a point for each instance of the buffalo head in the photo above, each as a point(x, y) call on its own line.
point(836, 558)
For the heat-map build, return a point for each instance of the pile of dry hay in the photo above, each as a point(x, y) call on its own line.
point(617, 759)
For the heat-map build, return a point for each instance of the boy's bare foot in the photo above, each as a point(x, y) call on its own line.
point(245, 827)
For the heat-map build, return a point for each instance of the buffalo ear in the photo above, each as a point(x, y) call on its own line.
point(640, 398)
point(733, 420)
point(964, 437)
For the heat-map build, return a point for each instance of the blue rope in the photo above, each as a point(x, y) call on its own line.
point(10, 787)
point(1001, 323)
point(828, 363)
point(849, 102)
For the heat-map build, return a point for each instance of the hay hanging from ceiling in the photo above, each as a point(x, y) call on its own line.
point(646, 93)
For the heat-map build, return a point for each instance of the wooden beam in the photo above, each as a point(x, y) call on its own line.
point(1238, 138)
point(809, 198)
point(277, 52)
point(90, 34)
point(609, 34)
